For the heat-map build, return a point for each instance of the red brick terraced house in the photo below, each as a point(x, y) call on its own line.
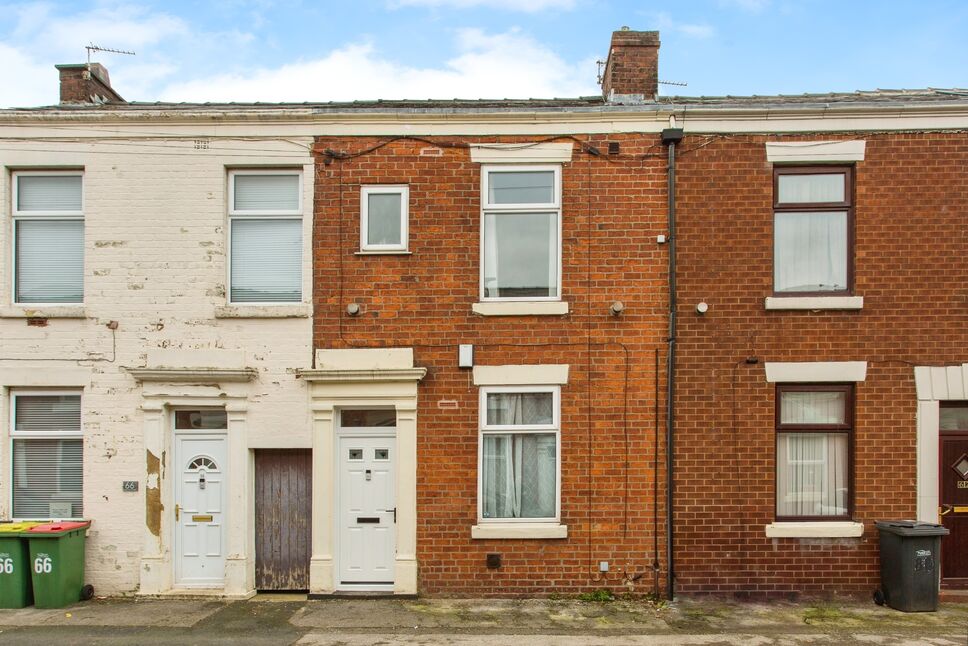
point(425, 347)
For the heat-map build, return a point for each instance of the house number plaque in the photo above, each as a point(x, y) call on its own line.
point(963, 484)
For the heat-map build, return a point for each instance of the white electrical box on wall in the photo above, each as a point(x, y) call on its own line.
point(465, 355)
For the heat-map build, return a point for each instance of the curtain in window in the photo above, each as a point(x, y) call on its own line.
point(813, 407)
point(266, 260)
point(816, 188)
point(810, 252)
point(520, 255)
point(519, 469)
point(50, 261)
point(519, 475)
point(811, 474)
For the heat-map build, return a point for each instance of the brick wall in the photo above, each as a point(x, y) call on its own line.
point(911, 236)
point(613, 208)
point(155, 253)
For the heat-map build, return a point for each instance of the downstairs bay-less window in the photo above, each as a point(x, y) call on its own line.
point(265, 239)
point(47, 451)
point(48, 237)
point(812, 241)
point(519, 446)
point(521, 241)
point(814, 425)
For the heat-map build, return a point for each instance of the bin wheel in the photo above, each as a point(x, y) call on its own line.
point(87, 592)
point(879, 597)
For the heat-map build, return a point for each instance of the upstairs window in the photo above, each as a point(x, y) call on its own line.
point(265, 236)
point(521, 250)
point(47, 451)
point(48, 237)
point(812, 224)
point(814, 425)
point(383, 218)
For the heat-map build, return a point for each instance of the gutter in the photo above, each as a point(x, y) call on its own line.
point(671, 137)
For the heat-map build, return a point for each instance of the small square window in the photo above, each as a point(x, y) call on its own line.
point(384, 211)
point(356, 454)
point(812, 221)
point(381, 454)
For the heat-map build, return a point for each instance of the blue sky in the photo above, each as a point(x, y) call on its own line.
point(292, 50)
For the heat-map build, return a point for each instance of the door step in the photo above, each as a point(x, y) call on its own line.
point(953, 596)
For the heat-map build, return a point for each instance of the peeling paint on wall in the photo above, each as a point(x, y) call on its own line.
point(153, 506)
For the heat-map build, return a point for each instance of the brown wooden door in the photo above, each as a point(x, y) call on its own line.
point(283, 519)
point(954, 507)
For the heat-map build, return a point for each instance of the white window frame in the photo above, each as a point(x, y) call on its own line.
point(530, 429)
point(403, 190)
point(281, 214)
point(18, 215)
point(496, 209)
point(13, 434)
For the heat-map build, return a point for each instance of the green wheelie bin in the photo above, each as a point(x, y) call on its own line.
point(57, 563)
point(15, 588)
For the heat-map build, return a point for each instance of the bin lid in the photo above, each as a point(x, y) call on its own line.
point(59, 528)
point(911, 528)
point(14, 528)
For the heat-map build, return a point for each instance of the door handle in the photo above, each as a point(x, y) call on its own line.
point(394, 510)
point(177, 512)
point(944, 510)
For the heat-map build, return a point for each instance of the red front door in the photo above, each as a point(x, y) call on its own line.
point(954, 495)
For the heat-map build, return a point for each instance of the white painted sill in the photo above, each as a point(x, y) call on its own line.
point(519, 530)
point(815, 529)
point(520, 308)
point(295, 311)
point(43, 312)
point(384, 252)
point(814, 302)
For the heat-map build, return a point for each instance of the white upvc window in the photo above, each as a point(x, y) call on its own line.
point(521, 233)
point(384, 213)
point(265, 236)
point(519, 471)
point(48, 237)
point(46, 448)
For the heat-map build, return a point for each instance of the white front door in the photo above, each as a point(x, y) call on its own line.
point(367, 510)
point(200, 510)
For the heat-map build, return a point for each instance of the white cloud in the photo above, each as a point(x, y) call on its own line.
point(746, 5)
point(42, 35)
point(527, 6)
point(507, 65)
point(663, 22)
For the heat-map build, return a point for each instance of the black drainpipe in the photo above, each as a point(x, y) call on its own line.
point(670, 137)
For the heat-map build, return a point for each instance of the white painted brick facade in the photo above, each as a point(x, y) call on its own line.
point(155, 262)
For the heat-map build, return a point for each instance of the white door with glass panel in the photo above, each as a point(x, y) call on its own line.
point(199, 512)
point(367, 510)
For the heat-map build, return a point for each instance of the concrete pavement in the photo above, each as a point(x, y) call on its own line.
point(291, 619)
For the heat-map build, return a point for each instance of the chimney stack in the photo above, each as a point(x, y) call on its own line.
point(631, 72)
point(86, 83)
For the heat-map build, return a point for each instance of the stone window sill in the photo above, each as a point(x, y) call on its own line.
point(294, 311)
point(814, 302)
point(519, 530)
point(43, 312)
point(520, 308)
point(815, 529)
